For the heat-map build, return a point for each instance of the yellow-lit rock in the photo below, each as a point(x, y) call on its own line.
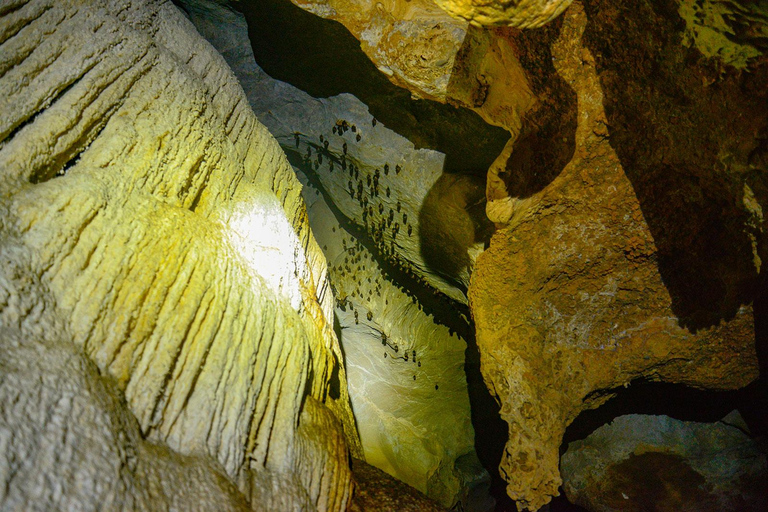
point(406, 371)
point(515, 13)
point(412, 42)
point(169, 236)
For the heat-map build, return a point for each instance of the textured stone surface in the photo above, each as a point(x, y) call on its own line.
point(631, 235)
point(637, 462)
point(370, 157)
point(68, 442)
point(412, 42)
point(376, 491)
point(136, 187)
point(412, 412)
point(405, 371)
point(515, 13)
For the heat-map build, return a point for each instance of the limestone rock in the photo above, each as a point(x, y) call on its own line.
point(405, 371)
point(368, 170)
point(631, 235)
point(70, 444)
point(412, 42)
point(515, 13)
point(136, 187)
point(376, 491)
point(637, 461)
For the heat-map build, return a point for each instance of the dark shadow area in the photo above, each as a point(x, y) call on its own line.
point(690, 133)
point(451, 220)
point(324, 59)
point(491, 432)
point(547, 137)
point(676, 401)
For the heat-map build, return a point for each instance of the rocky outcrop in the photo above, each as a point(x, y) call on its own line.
point(637, 462)
point(136, 188)
point(69, 442)
point(376, 491)
point(517, 13)
point(412, 42)
point(631, 235)
point(629, 203)
point(405, 370)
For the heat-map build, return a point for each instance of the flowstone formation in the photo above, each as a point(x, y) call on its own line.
point(375, 177)
point(639, 462)
point(143, 303)
point(405, 370)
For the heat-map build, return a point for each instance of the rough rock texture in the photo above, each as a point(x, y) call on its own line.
point(412, 42)
point(655, 462)
point(136, 185)
point(68, 442)
point(631, 232)
point(514, 13)
point(376, 178)
point(376, 491)
point(405, 371)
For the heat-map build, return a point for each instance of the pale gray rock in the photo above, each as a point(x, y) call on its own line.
point(405, 371)
point(153, 235)
point(640, 461)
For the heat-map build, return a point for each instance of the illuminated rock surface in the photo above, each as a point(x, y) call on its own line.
point(198, 348)
point(642, 462)
point(398, 194)
point(515, 13)
point(412, 42)
point(405, 370)
point(136, 188)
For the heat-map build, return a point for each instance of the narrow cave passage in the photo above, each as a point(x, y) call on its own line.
point(324, 60)
point(370, 156)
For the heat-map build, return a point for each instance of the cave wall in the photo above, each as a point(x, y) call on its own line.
point(628, 203)
point(139, 283)
point(632, 245)
point(405, 370)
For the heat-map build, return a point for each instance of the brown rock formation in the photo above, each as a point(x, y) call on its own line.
point(629, 204)
point(632, 236)
point(152, 224)
point(412, 42)
point(640, 462)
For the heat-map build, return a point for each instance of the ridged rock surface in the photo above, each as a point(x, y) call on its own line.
point(642, 462)
point(166, 232)
point(631, 234)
